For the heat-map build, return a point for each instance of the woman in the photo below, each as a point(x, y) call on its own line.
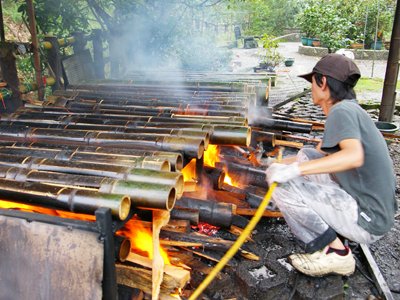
point(346, 186)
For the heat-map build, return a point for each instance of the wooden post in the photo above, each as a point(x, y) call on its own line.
point(2, 34)
point(388, 102)
point(9, 73)
point(35, 47)
point(54, 58)
point(98, 53)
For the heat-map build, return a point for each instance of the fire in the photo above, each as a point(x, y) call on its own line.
point(211, 155)
point(141, 239)
point(189, 171)
point(52, 212)
point(229, 180)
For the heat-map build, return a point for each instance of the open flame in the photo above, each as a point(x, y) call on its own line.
point(47, 211)
point(189, 171)
point(211, 155)
point(141, 239)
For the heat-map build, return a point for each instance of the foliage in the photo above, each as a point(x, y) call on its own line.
point(265, 16)
point(309, 20)
point(271, 57)
point(339, 23)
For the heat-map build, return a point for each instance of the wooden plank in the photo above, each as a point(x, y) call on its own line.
point(160, 219)
point(379, 279)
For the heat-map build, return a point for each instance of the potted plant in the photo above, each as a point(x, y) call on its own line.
point(270, 57)
point(308, 21)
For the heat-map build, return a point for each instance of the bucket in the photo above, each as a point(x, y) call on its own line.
point(386, 127)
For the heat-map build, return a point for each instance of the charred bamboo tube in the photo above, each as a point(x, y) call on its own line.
point(95, 169)
point(186, 86)
point(182, 213)
point(151, 111)
point(143, 195)
point(241, 120)
point(82, 201)
point(153, 163)
point(215, 213)
point(263, 136)
point(205, 135)
point(175, 159)
point(148, 99)
point(245, 174)
point(60, 114)
point(172, 104)
point(281, 125)
point(190, 146)
point(215, 175)
point(122, 247)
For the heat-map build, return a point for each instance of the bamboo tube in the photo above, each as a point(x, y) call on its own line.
point(216, 213)
point(94, 169)
point(153, 163)
point(122, 247)
point(146, 195)
point(82, 201)
point(231, 135)
point(190, 146)
point(143, 195)
point(40, 150)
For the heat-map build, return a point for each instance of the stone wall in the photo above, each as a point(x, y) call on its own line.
point(358, 53)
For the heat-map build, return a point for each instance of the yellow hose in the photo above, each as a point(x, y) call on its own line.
point(238, 243)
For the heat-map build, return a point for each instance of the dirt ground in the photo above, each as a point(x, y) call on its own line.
point(385, 251)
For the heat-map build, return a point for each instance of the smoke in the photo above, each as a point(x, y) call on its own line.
point(259, 115)
point(164, 39)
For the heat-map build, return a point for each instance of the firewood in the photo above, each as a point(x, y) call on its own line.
point(206, 241)
point(238, 231)
point(193, 262)
point(160, 219)
point(206, 256)
point(140, 278)
point(179, 275)
point(249, 255)
point(180, 243)
point(251, 212)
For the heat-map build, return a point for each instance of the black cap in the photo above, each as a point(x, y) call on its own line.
point(336, 66)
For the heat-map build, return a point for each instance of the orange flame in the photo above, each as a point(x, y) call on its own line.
point(189, 171)
point(141, 239)
point(48, 211)
point(229, 180)
point(211, 155)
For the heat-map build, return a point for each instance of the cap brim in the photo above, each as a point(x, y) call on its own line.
point(307, 76)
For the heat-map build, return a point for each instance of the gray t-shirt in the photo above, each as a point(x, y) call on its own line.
point(373, 184)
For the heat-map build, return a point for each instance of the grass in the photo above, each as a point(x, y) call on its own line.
point(371, 84)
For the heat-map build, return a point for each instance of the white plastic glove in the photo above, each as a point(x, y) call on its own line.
point(281, 173)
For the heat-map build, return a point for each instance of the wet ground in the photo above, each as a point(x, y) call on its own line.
point(275, 278)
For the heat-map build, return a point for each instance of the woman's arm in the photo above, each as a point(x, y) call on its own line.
point(350, 156)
